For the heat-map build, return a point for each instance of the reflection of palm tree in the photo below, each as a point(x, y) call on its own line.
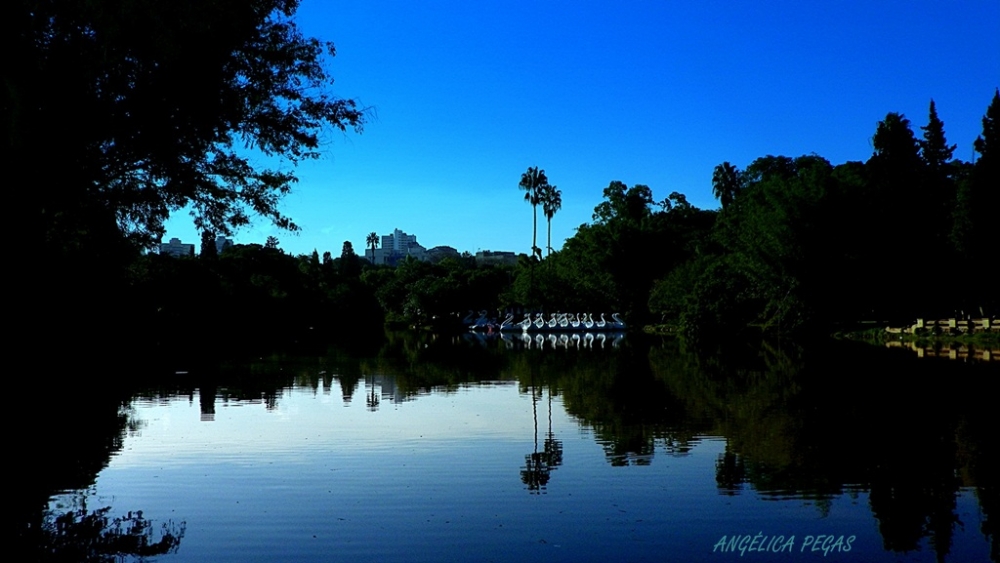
point(552, 447)
point(538, 466)
point(533, 182)
point(535, 473)
point(551, 199)
point(372, 241)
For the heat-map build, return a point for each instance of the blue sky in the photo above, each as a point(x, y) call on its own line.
point(467, 95)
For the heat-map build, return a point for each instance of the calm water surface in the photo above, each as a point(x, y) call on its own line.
point(460, 450)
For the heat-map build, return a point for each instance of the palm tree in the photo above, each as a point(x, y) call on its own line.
point(725, 183)
point(551, 199)
point(533, 182)
point(372, 241)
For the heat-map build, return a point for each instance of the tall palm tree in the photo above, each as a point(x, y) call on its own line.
point(551, 199)
point(725, 183)
point(372, 241)
point(532, 183)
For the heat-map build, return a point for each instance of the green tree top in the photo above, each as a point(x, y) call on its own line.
point(622, 203)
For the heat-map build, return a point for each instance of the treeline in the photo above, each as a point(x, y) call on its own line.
point(799, 245)
point(257, 294)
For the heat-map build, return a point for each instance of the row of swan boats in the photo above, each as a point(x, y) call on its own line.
point(555, 323)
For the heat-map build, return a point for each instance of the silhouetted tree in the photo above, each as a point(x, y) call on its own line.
point(977, 199)
point(899, 208)
point(551, 199)
point(349, 266)
point(725, 183)
point(158, 121)
point(208, 248)
point(198, 104)
point(934, 149)
point(372, 241)
point(533, 182)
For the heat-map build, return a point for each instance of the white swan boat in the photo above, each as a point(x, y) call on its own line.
point(562, 322)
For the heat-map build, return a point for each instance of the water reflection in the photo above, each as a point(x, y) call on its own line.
point(74, 533)
point(814, 426)
point(556, 341)
point(799, 425)
point(538, 465)
point(960, 352)
point(53, 477)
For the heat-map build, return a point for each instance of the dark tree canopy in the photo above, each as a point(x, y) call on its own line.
point(988, 144)
point(934, 147)
point(725, 183)
point(623, 203)
point(130, 110)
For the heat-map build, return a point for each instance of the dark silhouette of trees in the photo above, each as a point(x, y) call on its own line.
point(372, 241)
point(208, 249)
point(975, 215)
point(135, 110)
point(611, 264)
point(725, 183)
point(624, 204)
point(350, 264)
point(155, 122)
point(934, 149)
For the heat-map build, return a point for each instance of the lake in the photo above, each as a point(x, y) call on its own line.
point(462, 448)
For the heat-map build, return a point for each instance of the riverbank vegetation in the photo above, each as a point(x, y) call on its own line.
point(798, 246)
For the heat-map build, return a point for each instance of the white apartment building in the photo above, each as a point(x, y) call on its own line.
point(395, 247)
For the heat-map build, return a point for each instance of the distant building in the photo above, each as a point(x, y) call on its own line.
point(396, 247)
point(489, 257)
point(222, 243)
point(439, 253)
point(176, 248)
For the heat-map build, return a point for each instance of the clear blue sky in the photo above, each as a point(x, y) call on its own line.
point(468, 95)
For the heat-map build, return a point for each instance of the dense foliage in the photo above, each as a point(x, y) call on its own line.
point(152, 123)
point(156, 104)
point(801, 246)
point(119, 113)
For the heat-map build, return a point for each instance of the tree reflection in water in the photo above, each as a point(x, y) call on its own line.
point(810, 424)
point(538, 465)
point(82, 535)
point(92, 427)
point(813, 424)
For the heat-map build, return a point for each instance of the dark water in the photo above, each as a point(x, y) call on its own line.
point(460, 449)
